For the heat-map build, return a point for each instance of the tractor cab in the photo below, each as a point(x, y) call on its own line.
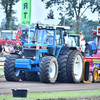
point(46, 40)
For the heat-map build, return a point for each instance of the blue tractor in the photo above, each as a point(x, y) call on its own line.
point(47, 58)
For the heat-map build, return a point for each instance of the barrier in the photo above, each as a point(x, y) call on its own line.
point(2, 60)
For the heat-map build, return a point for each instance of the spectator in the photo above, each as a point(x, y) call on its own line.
point(21, 45)
point(11, 49)
point(6, 50)
point(3, 48)
point(17, 48)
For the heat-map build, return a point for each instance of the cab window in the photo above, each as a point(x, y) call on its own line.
point(58, 37)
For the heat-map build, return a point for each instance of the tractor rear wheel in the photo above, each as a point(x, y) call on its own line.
point(32, 76)
point(23, 76)
point(75, 67)
point(95, 75)
point(62, 65)
point(9, 68)
point(48, 69)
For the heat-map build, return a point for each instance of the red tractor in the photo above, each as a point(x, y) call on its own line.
point(2, 40)
point(94, 67)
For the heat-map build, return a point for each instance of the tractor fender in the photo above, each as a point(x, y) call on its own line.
point(64, 49)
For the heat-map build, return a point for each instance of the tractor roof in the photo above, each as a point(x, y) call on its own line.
point(63, 27)
point(54, 24)
point(74, 34)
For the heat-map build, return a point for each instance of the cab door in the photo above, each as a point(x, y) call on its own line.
point(58, 42)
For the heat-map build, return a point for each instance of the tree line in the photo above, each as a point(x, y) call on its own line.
point(73, 8)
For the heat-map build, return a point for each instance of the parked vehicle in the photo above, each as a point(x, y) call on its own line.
point(94, 69)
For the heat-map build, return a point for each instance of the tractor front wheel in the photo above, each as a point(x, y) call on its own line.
point(95, 75)
point(11, 74)
point(48, 69)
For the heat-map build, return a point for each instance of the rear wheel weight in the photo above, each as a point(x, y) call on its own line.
point(75, 67)
point(48, 69)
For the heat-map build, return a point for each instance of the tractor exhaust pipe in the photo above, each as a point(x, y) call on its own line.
point(37, 27)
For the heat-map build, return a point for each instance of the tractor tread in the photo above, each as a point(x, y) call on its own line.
point(45, 69)
point(62, 63)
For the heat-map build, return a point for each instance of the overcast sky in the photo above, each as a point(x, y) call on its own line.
point(17, 8)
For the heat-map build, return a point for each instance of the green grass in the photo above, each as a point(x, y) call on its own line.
point(1, 74)
point(1, 69)
point(54, 95)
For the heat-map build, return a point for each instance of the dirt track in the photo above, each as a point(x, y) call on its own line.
point(5, 87)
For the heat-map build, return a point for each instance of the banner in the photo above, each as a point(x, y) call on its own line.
point(26, 12)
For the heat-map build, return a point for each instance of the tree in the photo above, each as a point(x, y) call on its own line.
point(50, 15)
point(86, 27)
point(97, 8)
point(74, 8)
point(13, 26)
point(8, 10)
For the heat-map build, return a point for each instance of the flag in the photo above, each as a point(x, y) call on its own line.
point(26, 12)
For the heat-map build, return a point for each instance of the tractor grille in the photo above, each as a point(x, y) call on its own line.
point(30, 53)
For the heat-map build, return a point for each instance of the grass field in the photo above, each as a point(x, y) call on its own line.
point(1, 69)
point(54, 95)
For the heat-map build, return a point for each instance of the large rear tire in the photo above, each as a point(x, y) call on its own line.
point(48, 69)
point(62, 65)
point(32, 76)
point(75, 67)
point(9, 68)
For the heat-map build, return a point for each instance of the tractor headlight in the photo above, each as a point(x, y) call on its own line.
point(23, 57)
point(34, 57)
